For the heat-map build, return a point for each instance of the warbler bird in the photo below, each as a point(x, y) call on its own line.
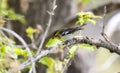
point(61, 35)
point(66, 32)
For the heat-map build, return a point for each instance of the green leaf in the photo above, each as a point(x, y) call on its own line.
point(54, 66)
point(50, 70)
point(85, 17)
point(84, 2)
point(49, 62)
point(3, 12)
point(20, 51)
point(6, 12)
point(2, 50)
point(53, 42)
point(87, 46)
point(10, 51)
point(21, 18)
point(72, 51)
point(30, 31)
point(15, 16)
point(5, 49)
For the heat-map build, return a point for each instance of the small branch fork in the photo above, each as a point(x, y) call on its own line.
point(108, 45)
point(39, 56)
point(51, 13)
point(103, 27)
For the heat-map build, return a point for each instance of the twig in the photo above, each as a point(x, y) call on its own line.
point(23, 42)
point(51, 13)
point(67, 64)
point(103, 27)
point(42, 54)
point(5, 36)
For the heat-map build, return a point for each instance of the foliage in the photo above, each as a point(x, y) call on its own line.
point(53, 42)
point(72, 51)
point(85, 17)
point(6, 12)
point(30, 32)
point(54, 66)
point(9, 52)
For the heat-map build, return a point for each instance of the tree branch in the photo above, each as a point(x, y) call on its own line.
point(108, 45)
